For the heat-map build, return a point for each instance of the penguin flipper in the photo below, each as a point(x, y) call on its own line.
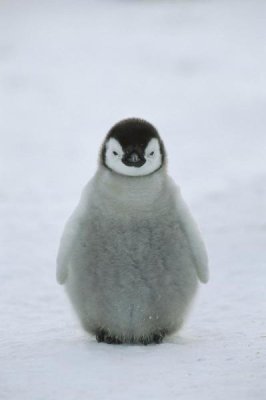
point(65, 249)
point(194, 240)
point(69, 237)
point(61, 273)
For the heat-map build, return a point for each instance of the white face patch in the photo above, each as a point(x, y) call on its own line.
point(114, 154)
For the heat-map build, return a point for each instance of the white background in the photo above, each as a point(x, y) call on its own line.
point(68, 71)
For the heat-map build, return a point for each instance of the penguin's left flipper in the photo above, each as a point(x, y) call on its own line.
point(194, 240)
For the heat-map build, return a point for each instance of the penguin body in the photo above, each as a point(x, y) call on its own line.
point(131, 255)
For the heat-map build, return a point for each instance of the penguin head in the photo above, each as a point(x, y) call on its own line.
point(133, 147)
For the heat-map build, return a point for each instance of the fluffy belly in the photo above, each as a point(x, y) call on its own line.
point(134, 292)
point(131, 277)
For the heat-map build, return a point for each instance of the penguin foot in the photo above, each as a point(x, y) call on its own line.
point(156, 338)
point(104, 336)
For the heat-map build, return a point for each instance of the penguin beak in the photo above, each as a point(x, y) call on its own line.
point(133, 159)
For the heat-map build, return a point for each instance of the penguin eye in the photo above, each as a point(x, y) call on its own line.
point(152, 153)
point(115, 153)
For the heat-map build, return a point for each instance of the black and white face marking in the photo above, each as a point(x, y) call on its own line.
point(134, 148)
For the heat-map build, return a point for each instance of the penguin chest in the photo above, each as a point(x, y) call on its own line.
point(135, 256)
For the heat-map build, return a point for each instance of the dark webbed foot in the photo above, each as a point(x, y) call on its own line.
point(104, 336)
point(112, 340)
point(158, 337)
point(153, 338)
point(100, 334)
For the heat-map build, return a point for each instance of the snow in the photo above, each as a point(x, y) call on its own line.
point(68, 71)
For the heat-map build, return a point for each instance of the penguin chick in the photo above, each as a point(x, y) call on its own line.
point(131, 256)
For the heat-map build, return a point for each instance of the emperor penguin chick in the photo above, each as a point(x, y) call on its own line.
point(131, 256)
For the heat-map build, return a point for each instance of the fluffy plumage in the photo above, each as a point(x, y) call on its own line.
point(131, 257)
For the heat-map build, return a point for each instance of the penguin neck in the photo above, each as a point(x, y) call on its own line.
point(129, 191)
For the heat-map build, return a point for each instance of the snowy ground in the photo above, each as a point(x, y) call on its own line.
point(68, 70)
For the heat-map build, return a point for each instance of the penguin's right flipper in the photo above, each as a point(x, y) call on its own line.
point(69, 237)
point(65, 249)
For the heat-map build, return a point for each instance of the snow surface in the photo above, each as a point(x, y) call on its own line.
point(68, 71)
